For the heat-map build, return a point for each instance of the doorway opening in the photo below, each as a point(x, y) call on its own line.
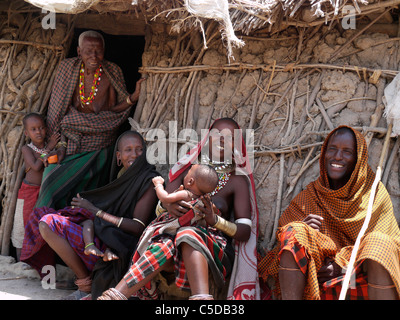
point(125, 51)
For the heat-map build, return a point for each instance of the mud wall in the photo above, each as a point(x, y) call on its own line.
point(291, 88)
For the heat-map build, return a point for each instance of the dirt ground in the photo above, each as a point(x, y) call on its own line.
point(17, 282)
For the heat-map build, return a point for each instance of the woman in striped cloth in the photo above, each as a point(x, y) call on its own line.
point(319, 228)
point(195, 250)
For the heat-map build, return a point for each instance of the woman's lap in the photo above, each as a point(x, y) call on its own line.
point(72, 232)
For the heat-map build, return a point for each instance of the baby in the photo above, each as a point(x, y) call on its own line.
point(199, 180)
point(35, 156)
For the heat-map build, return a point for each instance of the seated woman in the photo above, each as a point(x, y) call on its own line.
point(318, 230)
point(121, 210)
point(196, 250)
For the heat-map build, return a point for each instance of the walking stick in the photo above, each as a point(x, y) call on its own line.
point(364, 227)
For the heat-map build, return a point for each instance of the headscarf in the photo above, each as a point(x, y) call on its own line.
point(244, 283)
point(344, 211)
point(120, 198)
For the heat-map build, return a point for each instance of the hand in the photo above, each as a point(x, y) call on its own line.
point(54, 139)
point(177, 209)
point(314, 221)
point(135, 95)
point(158, 180)
point(209, 210)
point(45, 158)
point(329, 271)
point(61, 154)
point(79, 202)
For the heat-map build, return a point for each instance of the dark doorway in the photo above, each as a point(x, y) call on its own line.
point(125, 51)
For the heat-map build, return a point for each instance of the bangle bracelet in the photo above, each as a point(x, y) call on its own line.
point(141, 222)
point(157, 186)
point(128, 100)
point(89, 244)
point(61, 144)
point(229, 228)
point(98, 213)
point(119, 222)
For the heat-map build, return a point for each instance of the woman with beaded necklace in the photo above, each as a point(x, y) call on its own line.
point(196, 250)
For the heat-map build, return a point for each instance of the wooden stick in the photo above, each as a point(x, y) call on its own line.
point(34, 44)
point(364, 227)
point(278, 197)
point(278, 68)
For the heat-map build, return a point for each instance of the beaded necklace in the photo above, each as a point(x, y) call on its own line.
point(223, 179)
point(36, 149)
point(95, 85)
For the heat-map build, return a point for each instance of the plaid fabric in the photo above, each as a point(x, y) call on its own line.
point(37, 253)
point(85, 131)
point(78, 172)
point(330, 290)
point(71, 231)
point(344, 212)
point(289, 243)
point(163, 247)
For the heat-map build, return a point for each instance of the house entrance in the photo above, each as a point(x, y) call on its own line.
point(125, 50)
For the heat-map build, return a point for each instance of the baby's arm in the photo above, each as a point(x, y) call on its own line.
point(164, 196)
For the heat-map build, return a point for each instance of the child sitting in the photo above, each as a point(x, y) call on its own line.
point(35, 154)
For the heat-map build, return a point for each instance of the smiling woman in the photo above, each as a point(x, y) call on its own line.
point(130, 147)
point(340, 157)
point(318, 230)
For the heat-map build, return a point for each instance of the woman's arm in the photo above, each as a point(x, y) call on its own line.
point(130, 100)
point(143, 212)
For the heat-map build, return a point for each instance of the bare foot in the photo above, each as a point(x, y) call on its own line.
point(109, 255)
point(92, 249)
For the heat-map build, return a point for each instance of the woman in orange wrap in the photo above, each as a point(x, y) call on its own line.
point(319, 228)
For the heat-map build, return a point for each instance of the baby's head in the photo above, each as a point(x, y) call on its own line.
point(35, 127)
point(200, 179)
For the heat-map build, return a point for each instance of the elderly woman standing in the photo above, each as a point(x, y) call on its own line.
point(196, 250)
point(121, 210)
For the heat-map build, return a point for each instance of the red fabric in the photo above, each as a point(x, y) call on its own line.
point(29, 194)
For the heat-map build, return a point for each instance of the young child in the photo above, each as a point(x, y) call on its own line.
point(199, 180)
point(35, 154)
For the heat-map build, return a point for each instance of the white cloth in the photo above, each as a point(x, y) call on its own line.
point(391, 100)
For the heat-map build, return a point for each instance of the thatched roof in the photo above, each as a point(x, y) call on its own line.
point(246, 15)
point(235, 16)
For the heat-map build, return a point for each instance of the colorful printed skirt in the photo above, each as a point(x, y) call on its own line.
point(208, 241)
